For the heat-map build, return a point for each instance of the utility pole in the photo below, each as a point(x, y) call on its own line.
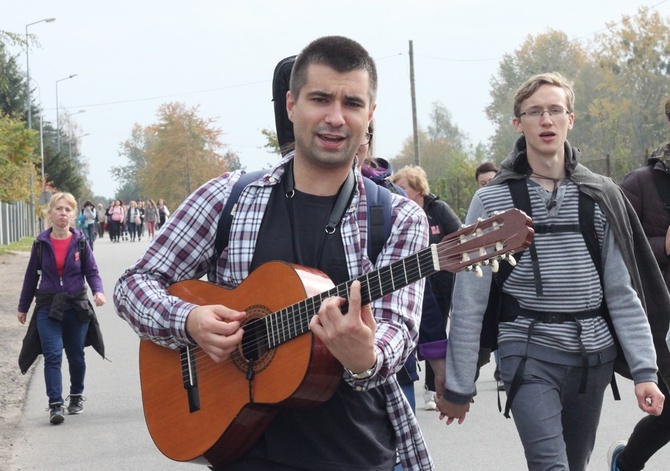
point(417, 160)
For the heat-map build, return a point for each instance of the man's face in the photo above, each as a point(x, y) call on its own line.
point(331, 115)
point(545, 135)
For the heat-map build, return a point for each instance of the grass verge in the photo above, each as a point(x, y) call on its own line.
point(22, 245)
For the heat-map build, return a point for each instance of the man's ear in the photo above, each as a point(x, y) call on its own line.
point(290, 103)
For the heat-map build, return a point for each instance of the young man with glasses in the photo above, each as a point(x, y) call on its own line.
point(556, 348)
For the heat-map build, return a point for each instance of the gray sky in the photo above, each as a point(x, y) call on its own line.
point(132, 56)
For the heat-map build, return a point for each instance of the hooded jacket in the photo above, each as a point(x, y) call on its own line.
point(59, 292)
point(640, 188)
point(629, 235)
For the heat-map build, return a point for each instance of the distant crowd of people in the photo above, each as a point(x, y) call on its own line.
point(129, 222)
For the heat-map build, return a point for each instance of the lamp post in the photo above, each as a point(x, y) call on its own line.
point(57, 121)
point(30, 116)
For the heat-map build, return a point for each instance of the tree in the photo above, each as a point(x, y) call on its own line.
point(444, 158)
point(184, 153)
point(548, 52)
point(17, 145)
point(634, 61)
point(134, 150)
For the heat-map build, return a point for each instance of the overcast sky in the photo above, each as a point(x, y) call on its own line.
point(132, 56)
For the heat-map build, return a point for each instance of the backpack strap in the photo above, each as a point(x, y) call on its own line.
point(226, 219)
point(379, 217)
point(81, 247)
point(378, 204)
point(37, 245)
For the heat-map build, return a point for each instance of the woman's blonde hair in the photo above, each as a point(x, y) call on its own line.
point(416, 178)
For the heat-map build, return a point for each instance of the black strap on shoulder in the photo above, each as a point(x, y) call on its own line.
point(379, 217)
point(663, 187)
point(226, 219)
point(379, 214)
point(81, 247)
point(38, 252)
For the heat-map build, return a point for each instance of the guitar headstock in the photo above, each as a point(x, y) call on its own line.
point(486, 241)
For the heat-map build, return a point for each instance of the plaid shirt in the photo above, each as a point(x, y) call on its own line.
point(184, 249)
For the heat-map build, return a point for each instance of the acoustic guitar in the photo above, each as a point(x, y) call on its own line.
point(198, 410)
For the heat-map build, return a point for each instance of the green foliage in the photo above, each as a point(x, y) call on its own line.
point(272, 144)
point(450, 166)
point(621, 81)
point(171, 158)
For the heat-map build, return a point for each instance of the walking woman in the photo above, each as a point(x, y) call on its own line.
point(62, 263)
point(151, 217)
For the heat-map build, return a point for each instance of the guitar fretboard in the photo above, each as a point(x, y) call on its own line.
point(292, 321)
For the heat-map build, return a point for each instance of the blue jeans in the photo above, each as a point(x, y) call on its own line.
point(90, 233)
point(70, 334)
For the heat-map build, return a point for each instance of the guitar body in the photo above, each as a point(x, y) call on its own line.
point(195, 408)
point(233, 412)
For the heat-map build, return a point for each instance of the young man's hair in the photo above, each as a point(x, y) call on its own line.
point(486, 167)
point(416, 178)
point(667, 109)
point(337, 52)
point(536, 81)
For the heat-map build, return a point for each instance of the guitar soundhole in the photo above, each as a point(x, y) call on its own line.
point(254, 347)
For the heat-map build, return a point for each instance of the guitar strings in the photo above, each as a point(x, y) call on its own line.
point(256, 328)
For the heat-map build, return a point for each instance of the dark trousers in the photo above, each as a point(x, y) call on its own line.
point(649, 435)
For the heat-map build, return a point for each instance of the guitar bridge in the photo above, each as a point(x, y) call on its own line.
point(188, 369)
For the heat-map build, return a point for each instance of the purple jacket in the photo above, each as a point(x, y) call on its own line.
point(72, 281)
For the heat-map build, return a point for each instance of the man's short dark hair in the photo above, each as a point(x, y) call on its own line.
point(337, 52)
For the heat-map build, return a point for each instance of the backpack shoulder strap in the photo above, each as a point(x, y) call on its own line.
point(379, 217)
point(38, 252)
point(226, 219)
point(81, 247)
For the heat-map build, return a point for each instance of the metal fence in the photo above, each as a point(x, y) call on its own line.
point(15, 222)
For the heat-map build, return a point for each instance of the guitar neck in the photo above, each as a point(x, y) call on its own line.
point(292, 321)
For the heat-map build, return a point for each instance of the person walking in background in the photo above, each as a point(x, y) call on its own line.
point(485, 173)
point(282, 216)
point(556, 349)
point(648, 189)
point(151, 217)
point(133, 220)
point(163, 213)
point(90, 218)
point(140, 224)
point(117, 215)
point(101, 218)
point(63, 314)
point(443, 221)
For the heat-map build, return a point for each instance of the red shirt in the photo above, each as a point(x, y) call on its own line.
point(60, 251)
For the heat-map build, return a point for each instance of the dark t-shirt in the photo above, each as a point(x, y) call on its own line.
point(352, 429)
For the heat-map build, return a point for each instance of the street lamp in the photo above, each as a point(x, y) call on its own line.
point(46, 20)
point(30, 116)
point(57, 121)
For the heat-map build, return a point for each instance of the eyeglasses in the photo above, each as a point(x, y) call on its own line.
point(555, 112)
point(368, 138)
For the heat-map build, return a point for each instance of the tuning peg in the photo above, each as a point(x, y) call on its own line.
point(478, 271)
point(510, 259)
point(495, 265)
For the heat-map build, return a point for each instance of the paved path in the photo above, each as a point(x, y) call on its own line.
point(111, 433)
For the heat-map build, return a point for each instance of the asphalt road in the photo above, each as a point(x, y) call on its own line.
point(111, 433)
